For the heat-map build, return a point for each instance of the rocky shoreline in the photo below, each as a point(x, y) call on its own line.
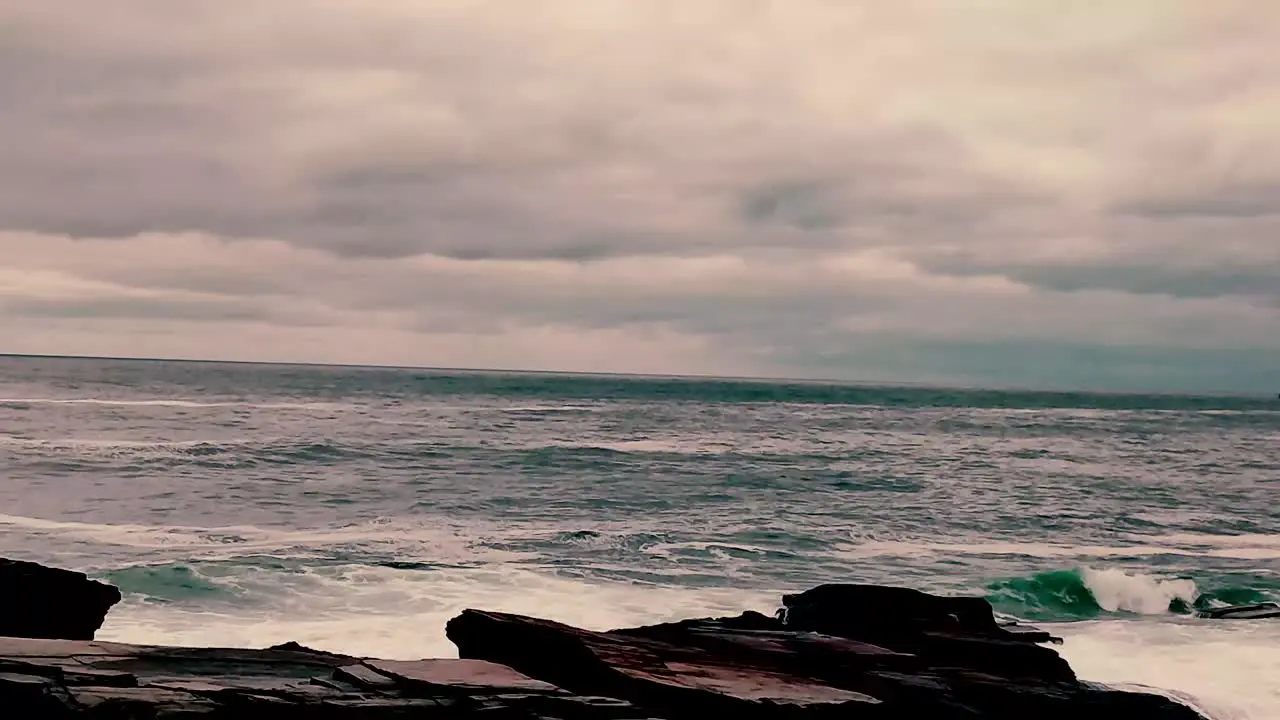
point(837, 651)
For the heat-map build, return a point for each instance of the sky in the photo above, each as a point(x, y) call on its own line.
point(995, 192)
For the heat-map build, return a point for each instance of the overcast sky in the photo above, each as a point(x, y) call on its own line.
point(1008, 192)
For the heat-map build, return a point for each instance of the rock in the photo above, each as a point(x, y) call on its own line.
point(295, 647)
point(1258, 611)
point(834, 652)
point(63, 680)
point(919, 656)
point(945, 631)
point(41, 602)
point(867, 606)
point(458, 676)
point(654, 674)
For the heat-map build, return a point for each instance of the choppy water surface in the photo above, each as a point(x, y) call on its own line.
point(358, 509)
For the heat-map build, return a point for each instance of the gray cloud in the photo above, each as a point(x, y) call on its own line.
point(725, 186)
point(1246, 201)
point(216, 310)
point(1147, 279)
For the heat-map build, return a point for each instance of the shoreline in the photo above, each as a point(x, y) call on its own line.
point(877, 651)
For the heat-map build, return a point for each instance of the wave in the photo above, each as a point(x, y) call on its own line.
point(168, 583)
point(382, 538)
point(1251, 546)
point(399, 611)
point(548, 409)
point(1225, 670)
point(1245, 540)
point(249, 451)
point(219, 454)
point(365, 609)
point(189, 404)
point(1088, 593)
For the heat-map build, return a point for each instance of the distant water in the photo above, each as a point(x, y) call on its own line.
point(358, 509)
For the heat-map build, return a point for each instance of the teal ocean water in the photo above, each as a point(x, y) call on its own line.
point(358, 509)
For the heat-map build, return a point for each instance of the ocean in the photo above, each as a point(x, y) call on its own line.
point(358, 509)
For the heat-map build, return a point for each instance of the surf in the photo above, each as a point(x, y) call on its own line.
point(1087, 593)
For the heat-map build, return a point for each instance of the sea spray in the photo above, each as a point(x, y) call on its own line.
point(1116, 590)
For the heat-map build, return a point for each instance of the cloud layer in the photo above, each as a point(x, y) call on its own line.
point(1004, 192)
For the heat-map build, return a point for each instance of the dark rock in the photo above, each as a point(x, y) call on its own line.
point(834, 652)
point(669, 679)
point(868, 606)
point(128, 703)
point(746, 640)
point(297, 648)
point(1258, 611)
point(57, 680)
point(41, 602)
point(945, 631)
point(363, 676)
point(922, 656)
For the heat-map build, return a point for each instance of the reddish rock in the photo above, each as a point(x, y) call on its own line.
point(667, 678)
point(838, 651)
point(960, 665)
point(459, 676)
point(64, 680)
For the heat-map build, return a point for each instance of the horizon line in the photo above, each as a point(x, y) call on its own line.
point(920, 385)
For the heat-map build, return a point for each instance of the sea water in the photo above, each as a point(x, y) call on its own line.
point(358, 509)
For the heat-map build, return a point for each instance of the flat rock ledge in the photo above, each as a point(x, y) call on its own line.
point(75, 679)
point(837, 651)
point(859, 652)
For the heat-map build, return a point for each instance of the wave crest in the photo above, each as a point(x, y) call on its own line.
point(1087, 592)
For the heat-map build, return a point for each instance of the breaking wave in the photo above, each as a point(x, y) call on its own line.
point(1086, 593)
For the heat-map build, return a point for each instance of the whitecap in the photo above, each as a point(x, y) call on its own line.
point(1227, 670)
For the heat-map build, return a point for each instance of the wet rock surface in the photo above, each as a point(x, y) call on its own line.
point(41, 602)
point(1257, 611)
point(837, 651)
point(753, 666)
point(65, 679)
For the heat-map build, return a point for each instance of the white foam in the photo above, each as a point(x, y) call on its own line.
point(438, 540)
point(396, 614)
point(720, 550)
point(681, 447)
point(1227, 669)
point(1230, 668)
point(1117, 590)
point(1250, 540)
point(685, 444)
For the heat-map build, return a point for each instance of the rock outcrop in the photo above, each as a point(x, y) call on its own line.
point(936, 666)
point(62, 680)
point(945, 631)
point(42, 602)
point(837, 651)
